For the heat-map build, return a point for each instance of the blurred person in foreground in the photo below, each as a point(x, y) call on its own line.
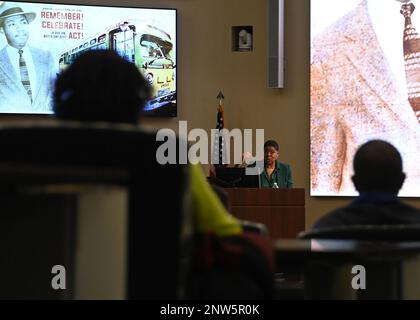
point(100, 86)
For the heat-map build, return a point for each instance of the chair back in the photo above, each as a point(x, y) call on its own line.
point(387, 233)
point(76, 153)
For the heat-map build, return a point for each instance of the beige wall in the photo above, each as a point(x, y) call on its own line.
point(206, 65)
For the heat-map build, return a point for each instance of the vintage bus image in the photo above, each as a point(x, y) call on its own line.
point(150, 48)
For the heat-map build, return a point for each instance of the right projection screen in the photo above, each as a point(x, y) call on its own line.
point(365, 84)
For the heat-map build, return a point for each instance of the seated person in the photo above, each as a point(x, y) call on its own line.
point(275, 174)
point(222, 195)
point(378, 177)
point(247, 226)
point(102, 86)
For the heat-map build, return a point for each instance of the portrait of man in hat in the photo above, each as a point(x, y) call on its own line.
point(26, 73)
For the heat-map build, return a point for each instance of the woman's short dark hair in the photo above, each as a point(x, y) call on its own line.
point(100, 86)
point(271, 143)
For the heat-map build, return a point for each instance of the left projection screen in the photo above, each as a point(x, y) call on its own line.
point(54, 35)
point(360, 90)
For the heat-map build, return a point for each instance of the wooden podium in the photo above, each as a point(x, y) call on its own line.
point(281, 210)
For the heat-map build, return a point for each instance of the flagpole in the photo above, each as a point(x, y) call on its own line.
point(219, 143)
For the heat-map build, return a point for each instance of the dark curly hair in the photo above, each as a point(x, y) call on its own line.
point(271, 143)
point(100, 86)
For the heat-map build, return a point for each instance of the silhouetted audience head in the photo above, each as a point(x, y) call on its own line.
point(100, 86)
point(378, 168)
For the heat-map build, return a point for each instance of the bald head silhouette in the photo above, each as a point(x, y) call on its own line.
point(378, 168)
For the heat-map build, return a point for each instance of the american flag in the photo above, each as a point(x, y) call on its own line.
point(219, 148)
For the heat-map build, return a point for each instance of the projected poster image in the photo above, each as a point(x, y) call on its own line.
point(365, 84)
point(37, 41)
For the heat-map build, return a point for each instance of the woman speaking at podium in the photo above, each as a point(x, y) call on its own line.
point(275, 174)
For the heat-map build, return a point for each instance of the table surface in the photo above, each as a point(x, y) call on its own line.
point(330, 248)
